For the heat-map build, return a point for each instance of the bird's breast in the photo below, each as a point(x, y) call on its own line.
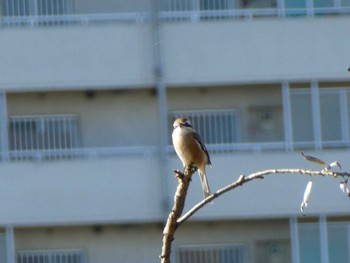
point(187, 148)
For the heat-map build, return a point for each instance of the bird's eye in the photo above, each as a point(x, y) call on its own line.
point(187, 124)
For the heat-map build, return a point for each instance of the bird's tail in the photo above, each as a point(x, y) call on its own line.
point(204, 182)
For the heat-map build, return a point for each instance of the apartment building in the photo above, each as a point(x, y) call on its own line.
point(89, 90)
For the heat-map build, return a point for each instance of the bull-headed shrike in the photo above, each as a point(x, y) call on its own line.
point(191, 150)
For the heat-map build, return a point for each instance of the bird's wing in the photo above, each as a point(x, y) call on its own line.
point(198, 139)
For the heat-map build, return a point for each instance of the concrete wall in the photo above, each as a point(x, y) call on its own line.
point(121, 55)
point(81, 57)
point(257, 50)
point(69, 192)
point(131, 189)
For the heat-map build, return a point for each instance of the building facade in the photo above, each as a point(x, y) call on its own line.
point(88, 93)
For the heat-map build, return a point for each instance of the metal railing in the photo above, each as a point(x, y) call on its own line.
point(55, 137)
point(47, 135)
point(52, 256)
point(219, 129)
point(61, 12)
point(212, 254)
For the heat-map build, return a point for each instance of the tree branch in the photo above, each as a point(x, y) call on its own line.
point(175, 219)
point(258, 175)
point(184, 180)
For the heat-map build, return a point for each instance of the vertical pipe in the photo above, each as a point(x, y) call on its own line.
point(315, 100)
point(4, 127)
point(162, 104)
point(343, 98)
point(287, 117)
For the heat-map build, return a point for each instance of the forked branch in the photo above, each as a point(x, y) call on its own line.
point(258, 175)
point(175, 218)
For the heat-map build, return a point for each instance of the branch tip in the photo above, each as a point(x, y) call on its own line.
point(241, 178)
point(179, 174)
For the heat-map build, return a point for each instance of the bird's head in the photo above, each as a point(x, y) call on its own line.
point(182, 122)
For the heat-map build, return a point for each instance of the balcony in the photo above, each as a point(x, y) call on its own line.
point(57, 164)
point(287, 117)
point(68, 12)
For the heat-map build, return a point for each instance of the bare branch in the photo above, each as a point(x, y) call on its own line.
point(184, 180)
point(175, 219)
point(258, 175)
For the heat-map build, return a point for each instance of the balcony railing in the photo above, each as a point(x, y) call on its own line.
point(52, 256)
point(316, 118)
point(62, 12)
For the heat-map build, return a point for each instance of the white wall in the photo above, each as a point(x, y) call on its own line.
point(130, 189)
point(119, 190)
point(81, 57)
point(257, 50)
point(121, 55)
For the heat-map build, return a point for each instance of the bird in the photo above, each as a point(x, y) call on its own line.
point(191, 150)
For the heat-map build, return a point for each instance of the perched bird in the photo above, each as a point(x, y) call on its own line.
point(191, 150)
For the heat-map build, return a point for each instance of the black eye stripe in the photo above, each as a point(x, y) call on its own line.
point(186, 124)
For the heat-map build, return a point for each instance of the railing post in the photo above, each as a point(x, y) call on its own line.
point(10, 244)
point(3, 127)
point(293, 226)
point(281, 8)
point(310, 8)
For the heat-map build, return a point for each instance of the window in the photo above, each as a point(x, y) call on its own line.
point(31, 134)
point(52, 256)
point(273, 251)
point(330, 113)
point(265, 124)
point(212, 254)
point(309, 243)
point(337, 242)
point(295, 4)
point(324, 117)
point(3, 252)
point(215, 127)
point(301, 111)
